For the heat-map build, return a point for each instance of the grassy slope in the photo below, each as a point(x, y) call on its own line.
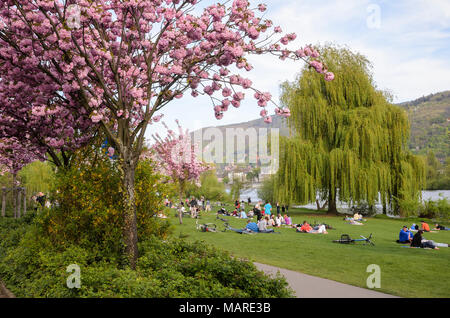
point(405, 272)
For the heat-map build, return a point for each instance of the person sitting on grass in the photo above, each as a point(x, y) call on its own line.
point(262, 225)
point(287, 220)
point(251, 226)
point(251, 214)
point(235, 212)
point(223, 211)
point(441, 228)
point(405, 236)
point(271, 221)
point(278, 220)
point(357, 217)
point(425, 227)
point(419, 241)
point(243, 215)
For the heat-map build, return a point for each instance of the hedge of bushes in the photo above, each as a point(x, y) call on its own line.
point(31, 266)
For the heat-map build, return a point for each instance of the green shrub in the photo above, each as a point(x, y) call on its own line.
point(87, 208)
point(172, 268)
point(409, 207)
point(435, 209)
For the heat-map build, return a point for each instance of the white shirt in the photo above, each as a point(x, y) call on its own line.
point(262, 225)
point(279, 221)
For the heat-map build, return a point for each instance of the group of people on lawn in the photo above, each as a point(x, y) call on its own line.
point(417, 240)
point(265, 219)
point(194, 205)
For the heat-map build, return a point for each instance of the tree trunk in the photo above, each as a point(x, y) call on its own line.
point(24, 201)
point(14, 196)
point(180, 213)
point(332, 203)
point(129, 214)
point(320, 208)
point(19, 192)
point(3, 202)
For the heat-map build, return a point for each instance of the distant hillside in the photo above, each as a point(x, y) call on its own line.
point(429, 119)
point(277, 122)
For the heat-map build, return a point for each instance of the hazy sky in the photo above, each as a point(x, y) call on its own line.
point(408, 42)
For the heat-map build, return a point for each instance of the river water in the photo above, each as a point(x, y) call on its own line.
point(426, 195)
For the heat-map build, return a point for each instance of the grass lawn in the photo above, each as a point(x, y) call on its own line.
point(405, 272)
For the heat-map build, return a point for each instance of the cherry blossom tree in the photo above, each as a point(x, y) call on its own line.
point(175, 157)
point(70, 65)
point(13, 156)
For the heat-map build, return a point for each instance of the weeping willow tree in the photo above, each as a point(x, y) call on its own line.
point(348, 140)
point(37, 177)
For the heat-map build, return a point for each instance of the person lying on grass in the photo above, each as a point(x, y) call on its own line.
point(419, 241)
point(353, 222)
point(251, 226)
point(306, 228)
point(441, 228)
point(405, 236)
point(355, 219)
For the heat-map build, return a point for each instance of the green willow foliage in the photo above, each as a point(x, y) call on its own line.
point(348, 136)
point(37, 177)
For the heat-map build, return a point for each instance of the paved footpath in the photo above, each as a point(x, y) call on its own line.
point(307, 286)
point(4, 292)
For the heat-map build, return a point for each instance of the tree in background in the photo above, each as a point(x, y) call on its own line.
point(175, 157)
point(210, 188)
point(236, 188)
point(267, 190)
point(438, 175)
point(256, 172)
point(350, 140)
point(253, 174)
point(225, 180)
point(37, 177)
